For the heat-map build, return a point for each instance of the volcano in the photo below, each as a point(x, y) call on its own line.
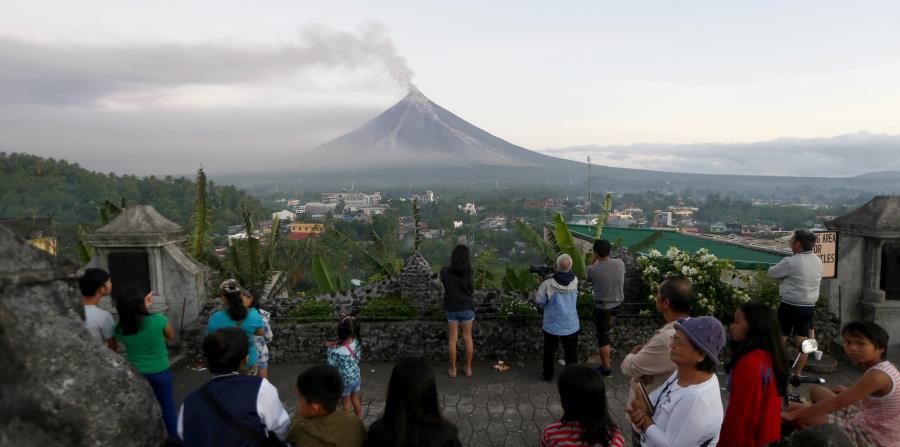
point(417, 133)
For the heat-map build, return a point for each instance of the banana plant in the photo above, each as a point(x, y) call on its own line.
point(567, 245)
point(325, 279)
point(603, 216)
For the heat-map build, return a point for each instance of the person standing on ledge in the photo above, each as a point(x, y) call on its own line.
point(800, 277)
point(459, 286)
point(607, 277)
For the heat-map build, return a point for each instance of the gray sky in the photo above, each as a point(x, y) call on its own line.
point(159, 87)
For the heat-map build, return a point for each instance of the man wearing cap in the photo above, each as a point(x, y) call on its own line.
point(800, 277)
point(650, 361)
point(687, 409)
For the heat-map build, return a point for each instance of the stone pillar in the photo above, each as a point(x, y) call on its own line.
point(863, 235)
point(59, 386)
point(415, 283)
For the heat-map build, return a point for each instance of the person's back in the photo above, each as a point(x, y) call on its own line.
point(753, 416)
point(458, 290)
point(99, 323)
point(558, 296)
point(607, 278)
point(422, 435)
point(319, 421)
point(231, 410)
point(801, 275)
point(236, 397)
point(412, 415)
point(146, 349)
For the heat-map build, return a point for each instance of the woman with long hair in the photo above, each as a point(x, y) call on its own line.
point(238, 313)
point(459, 285)
point(757, 378)
point(412, 415)
point(585, 420)
point(144, 336)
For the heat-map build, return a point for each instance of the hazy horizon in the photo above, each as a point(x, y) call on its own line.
point(763, 88)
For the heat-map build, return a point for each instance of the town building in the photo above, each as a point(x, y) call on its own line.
point(468, 208)
point(284, 216)
point(37, 232)
point(662, 219)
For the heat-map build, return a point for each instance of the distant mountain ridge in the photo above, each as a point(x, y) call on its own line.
point(880, 175)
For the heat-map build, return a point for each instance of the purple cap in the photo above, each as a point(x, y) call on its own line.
point(706, 333)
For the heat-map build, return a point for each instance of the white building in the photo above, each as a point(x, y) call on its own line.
point(284, 216)
point(468, 208)
point(457, 224)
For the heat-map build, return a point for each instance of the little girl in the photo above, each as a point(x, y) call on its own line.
point(344, 355)
point(262, 341)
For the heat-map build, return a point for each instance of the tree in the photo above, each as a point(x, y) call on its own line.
point(199, 241)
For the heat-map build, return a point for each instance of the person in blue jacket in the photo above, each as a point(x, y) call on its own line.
point(558, 296)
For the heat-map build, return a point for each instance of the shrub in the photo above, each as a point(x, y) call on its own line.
point(387, 308)
point(516, 309)
point(764, 289)
point(585, 304)
point(313, 310)
point(711, 277)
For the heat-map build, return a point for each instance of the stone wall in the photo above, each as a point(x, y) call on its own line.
point(494, 339)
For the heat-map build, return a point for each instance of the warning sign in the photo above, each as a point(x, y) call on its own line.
point(826, 249)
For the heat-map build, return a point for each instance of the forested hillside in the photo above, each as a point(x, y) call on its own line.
point(32, 186)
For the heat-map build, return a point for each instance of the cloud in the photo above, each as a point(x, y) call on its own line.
point(86, 76)
point(839, 156)
point(161, 142)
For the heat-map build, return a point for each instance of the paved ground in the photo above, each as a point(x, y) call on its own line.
point(490, 408)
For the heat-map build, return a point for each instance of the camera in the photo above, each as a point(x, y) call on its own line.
point(540, 269)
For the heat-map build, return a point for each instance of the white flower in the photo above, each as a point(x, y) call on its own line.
point(685, 270)
point(693, 271)
point(672, 252)
point(654, 253)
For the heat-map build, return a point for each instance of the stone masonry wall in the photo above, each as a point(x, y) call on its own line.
point(494, 339)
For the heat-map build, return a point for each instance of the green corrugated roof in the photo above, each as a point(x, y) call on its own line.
point(744, 258)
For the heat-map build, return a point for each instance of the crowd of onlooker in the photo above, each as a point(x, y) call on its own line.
point(674, 395)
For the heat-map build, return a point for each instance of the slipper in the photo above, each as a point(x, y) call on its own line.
point(451, 372)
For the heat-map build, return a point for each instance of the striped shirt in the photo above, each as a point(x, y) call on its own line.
point(879, 414)
point(568, 433)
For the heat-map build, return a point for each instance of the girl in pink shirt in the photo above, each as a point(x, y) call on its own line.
point(867, 412)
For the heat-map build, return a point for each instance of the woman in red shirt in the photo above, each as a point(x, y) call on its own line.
point(757, 379)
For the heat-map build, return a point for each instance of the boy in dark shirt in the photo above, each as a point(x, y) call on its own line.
point(318, 422)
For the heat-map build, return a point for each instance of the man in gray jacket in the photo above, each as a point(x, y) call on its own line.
point(800, 277)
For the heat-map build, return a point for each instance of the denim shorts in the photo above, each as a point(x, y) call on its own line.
point(262, 364)
point(351, 388)
point(462, 316)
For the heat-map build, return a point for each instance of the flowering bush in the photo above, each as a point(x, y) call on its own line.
point(518, 309)
point(712, 278)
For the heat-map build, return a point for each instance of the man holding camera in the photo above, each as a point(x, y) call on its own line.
point(558, 296)
point(607, 277)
